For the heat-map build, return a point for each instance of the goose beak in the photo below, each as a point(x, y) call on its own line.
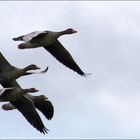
point(38, 67)
point(36, 90)
point(74, 31)
point(46, 98)
point(22, 46)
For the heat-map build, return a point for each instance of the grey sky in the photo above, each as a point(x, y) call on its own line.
point(104, 105)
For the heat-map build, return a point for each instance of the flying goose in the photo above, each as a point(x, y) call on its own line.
point(25, 104)
point(14, 93)
point(12, 73)
point(27, 108)
point(48, 39)
point(41, 102)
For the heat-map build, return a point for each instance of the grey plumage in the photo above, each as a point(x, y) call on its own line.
point(49, 40)
point(24, 104)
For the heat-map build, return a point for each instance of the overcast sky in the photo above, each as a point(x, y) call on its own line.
point(103, 105)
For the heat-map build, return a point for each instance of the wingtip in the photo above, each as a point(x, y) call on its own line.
point(86, 74)
point(45, 130)
point(49, 118)
point(45, 70)
point(42, 72)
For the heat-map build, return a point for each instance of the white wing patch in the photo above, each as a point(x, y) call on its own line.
point(2, 90)
point(29, 36)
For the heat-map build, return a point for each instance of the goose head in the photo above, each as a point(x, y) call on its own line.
point(32, 67)
point(70, 31)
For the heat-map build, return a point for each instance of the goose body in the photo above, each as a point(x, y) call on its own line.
point(41, 102)
point(49, 40)
point(14, 93)
point(37, 39)
point(24, 104)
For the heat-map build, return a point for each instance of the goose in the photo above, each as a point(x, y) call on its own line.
point(41, 102)
point(24, 104)
point(11, 73)
point(15, 73)
point(49, 40)
point(14, 93)
point(27, 109)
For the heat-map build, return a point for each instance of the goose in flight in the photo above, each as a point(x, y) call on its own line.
point(26, 105)
point(49, 40)
point(41, 102)
point(10, 73)
point(27, 109)
point(14, 73)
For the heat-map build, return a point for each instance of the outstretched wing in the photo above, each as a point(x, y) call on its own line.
point(24, 104)
point(4, 64)
point(63, 56)
point(45, 107)
point(26, 107)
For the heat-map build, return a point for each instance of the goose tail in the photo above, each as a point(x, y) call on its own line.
point(7, 107)
point(17, 38)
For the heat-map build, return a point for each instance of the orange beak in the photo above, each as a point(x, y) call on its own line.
point(74, 31)
point(36, 90)
point(46, 98)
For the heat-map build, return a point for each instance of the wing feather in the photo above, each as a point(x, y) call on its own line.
point(46, 107)
point(4, 64)
point(63, 56)
point(27, 109)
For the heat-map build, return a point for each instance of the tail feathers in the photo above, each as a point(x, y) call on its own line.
point(8, 106)
point(18, 38)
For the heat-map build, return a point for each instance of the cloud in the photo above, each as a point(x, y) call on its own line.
point(104, 105)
